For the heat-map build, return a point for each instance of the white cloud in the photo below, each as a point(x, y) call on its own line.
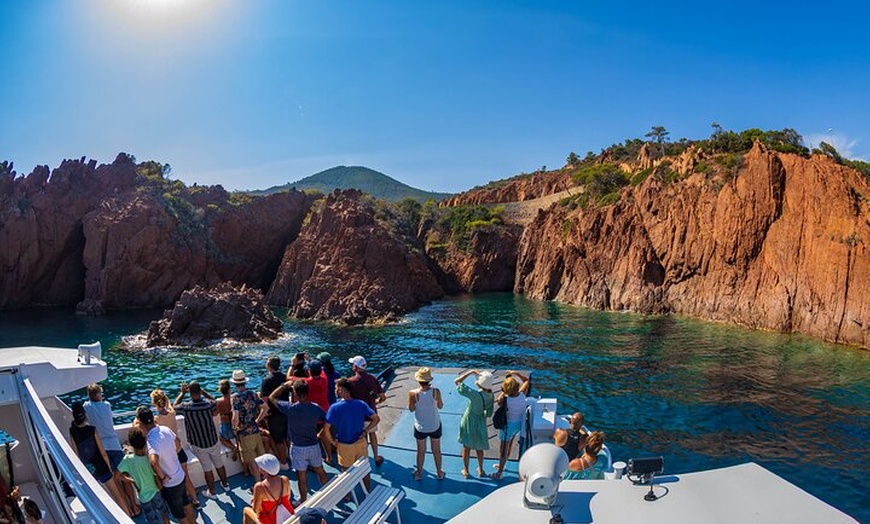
point(846, 145)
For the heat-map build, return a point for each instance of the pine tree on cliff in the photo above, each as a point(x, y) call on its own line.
point(660, 134)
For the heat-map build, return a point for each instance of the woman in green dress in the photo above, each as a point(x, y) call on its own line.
point(472, 427)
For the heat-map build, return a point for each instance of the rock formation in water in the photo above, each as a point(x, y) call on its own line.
point(144, 249)
point(348, 267)
point(781, 246)
point(41, 237)
point(202, 316)
point(122, 235)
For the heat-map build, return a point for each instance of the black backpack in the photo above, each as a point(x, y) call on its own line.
point(499, 418)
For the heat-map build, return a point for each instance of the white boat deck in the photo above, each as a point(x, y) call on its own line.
point(746, 493)
point(53, 371)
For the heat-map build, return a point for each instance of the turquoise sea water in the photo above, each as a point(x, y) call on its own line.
point(701, 395)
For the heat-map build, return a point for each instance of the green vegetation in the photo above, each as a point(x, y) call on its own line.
point(831, 151)
point(366, 180)
point(660, 135)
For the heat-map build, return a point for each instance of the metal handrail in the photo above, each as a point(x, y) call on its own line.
point(53, 453)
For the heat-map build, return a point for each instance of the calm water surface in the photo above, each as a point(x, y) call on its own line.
point(701, 395)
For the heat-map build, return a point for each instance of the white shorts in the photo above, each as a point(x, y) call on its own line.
point(301, 457)
point(209, 458)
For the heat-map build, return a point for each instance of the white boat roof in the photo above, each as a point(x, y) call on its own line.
point(53, 371)
point(746, 493)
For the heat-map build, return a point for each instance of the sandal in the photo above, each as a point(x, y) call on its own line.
point(465, 473)
point(440, 475)
point(481, 474)
point(418, 475)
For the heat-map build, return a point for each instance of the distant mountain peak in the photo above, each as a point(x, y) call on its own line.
point(363, 178)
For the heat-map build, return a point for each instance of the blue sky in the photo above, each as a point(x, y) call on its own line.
point(441, 95)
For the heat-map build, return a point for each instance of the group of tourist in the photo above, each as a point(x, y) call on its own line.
point(298, 419)
point(425, 402)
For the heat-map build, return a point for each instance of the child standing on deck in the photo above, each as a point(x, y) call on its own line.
point(137, 469)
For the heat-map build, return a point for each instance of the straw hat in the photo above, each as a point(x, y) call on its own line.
point(423, 375)
point(239, 377)
point(484, 380)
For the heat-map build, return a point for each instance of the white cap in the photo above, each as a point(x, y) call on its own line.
point(268, 463)
point(358, 361)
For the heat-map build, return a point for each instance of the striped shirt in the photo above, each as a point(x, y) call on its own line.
point(199, 422)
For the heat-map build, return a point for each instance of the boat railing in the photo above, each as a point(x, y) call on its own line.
point(58, 463)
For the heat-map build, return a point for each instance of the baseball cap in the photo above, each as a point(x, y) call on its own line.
point(358, 361)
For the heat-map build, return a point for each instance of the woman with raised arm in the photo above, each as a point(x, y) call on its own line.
point(472, 427)
point(513, 393)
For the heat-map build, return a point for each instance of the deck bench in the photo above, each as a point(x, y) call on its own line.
point(376, 507)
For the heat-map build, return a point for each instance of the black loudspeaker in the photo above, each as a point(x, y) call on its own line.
point(646, 467)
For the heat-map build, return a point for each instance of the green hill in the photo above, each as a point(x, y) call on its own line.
point(368, 180)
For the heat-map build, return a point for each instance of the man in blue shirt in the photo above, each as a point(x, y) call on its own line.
point(352, 419)
point(303, 419)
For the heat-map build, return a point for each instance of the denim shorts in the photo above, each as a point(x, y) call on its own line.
point(115, 458)
point(155, 509)
point(226, 431)
point(508, 433)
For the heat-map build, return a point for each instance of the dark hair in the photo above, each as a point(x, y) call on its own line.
point(300, 389)
point(299, 370)
point(194, 387)
point(136, 438)
point(274, 363)
point(32, 508)
point(328, 367)
point(300, 356)
point(343, 383)
point(78, 413)
point(145, 415)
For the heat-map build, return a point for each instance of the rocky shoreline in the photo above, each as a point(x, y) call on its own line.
point(779, 242)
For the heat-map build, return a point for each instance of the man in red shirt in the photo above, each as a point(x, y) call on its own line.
point(365, 387)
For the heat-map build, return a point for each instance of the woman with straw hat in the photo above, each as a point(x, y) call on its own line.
point(472, 427)
point(424, 402)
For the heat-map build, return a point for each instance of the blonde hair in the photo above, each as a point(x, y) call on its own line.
point(159, 398)
point(594, 442)
point(94, 390)
point(510, 387)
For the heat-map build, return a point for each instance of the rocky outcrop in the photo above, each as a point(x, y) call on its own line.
point(202, 316)
point(117, 236)
point(783, 246)
point(347, 267)
point(487, 264)
point(41, 230)
point(517, 189)
point(144, 250)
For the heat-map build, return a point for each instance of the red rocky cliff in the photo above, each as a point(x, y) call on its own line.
point(114, 237)
point(346, 266)
point(142, 251)
point(783, 246)
point(41, 235)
